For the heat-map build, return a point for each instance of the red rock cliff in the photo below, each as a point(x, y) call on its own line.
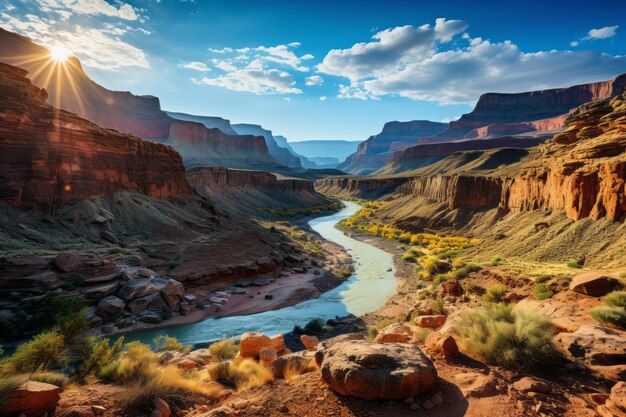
point(49, 156)
point(211, 177)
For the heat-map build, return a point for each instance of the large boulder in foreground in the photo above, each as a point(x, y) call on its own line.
point(595, 284)
point(31, 399)
point(374, 371)
point(597, 347)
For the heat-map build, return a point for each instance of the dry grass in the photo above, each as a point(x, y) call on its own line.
point(224, 349)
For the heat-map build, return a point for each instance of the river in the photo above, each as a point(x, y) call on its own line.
point(372, 283)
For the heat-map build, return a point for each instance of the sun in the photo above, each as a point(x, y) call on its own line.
point(60, 53)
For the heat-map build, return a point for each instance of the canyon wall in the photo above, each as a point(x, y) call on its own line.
point(282, 155)
point(212, 177)
point(209, 121)
point(376, 151)
point(50, 156)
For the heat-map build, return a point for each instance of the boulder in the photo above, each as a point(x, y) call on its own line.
point(309, 342)
point(394, 333)
point(530, 384)
point(172, 292)
point(267, 354)
point(473, 384)
point(615, 404)
point(452, 288)
point(137, 288)
point(150, 317)
point(444, 344)
point(162, 407)
point(375, 371)
point(31, 399)
point(278, 343)
point(67, 261)
point(294, 362)
point(111, 308)
point(201, 355)
point(597, 347)
point(251, 344)
point(595, 284)
point(138, 305)
point(431, 321)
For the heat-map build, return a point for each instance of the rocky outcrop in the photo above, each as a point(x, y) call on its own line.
point(494, 130)
point(31, 399)
point(419, 156)
point(126, 112)
point(358, 186)
point(282, 155)
point(507, 109)
point(210, 177)
point(210, 122)
point(373, 153)
point(374, 371)
point(457, 191)
point(51, 156)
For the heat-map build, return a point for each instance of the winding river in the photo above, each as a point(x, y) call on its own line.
point(368, 289)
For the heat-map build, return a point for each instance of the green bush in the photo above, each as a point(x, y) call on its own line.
point(224, 349)
point(44, 351)
point(54, 378)
point(495, 293)
point(615, 299)
point(495, 261)
point(408, 257)
point(169, 343)
point(100, 355)
point(542, 292)
point(440, 279)
point(69, 316)
point(514, 339)
point(7, 385)
point(108, 371)
point(464, 271)
point(543, 278)
point(612, 315)
point(574, 265)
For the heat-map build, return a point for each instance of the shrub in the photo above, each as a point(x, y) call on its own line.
point(54, 378)
point(108, 371)
point(408, 257)
point(248, 373)
point(574, 265)
point(543, 278)
point(424, 294)
point(7, 385)
point(224, 349)
point(515, 339)
point(495, 261)
point(495, 293)
point(615, 299)
point(464, 271)
point(69, 316)
point(430, 264)
point(44, 351)
point(170, 343)
point(439, 279)
point(612, 315)
point(101, 354)
point(542, 292)
point(295, 368)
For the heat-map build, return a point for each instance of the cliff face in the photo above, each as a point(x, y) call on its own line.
point(373, 153)
point(70, 88)
point(211, 177)
point(422, 155)
point(581, 171)
point(506, 109)
point(282, 155)
point(366, 187)
point(209, 121)
point(50, 156)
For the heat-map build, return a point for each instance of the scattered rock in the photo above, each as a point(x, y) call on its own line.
point(67, 261)
point(595, 284)
point(162, 407)
point(251, 344)
point(172, 292)
point(31, 399)
point(529, 384)
point(267, 354)
point(452, 288)
point(98, 409)
point(138, 305)
point(309, 342)
point(137, 288)
point(278, 343)
point(201, 355)
point(150, 317)
point(241, 404)
point(394, 333)
point(377, 371)
point(111, 308)
point(295, 362)
point(222, 411)
point(108, 236)
point(444, 344)
point(473, 384)
point(431, 321)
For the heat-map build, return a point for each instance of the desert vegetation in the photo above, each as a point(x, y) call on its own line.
point(613, 312)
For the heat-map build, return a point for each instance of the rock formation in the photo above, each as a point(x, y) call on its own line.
point(373, 153)
point(283, 155)
point(209, 121)
point(51, 156)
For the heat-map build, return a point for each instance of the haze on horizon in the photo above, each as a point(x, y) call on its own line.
point(327, 71)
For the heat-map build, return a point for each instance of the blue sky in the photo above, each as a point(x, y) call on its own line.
point(329, 70)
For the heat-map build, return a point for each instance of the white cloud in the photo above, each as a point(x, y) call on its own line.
point(259, 69)
point(101, 48)
point(196, 66)
point(441, 63)
point(602, 33)
point(323, 98)
point(314, 80)
point(449, 119)
point(90, 7)
point(256, 81)
point(573, 43)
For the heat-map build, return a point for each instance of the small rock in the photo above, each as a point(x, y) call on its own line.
point(98, 409)
point(67, 261)
point(241, 404)
point(267, 354)
point(529, 384)
point(430, 321)
point(309, 342)
point(162, 406)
